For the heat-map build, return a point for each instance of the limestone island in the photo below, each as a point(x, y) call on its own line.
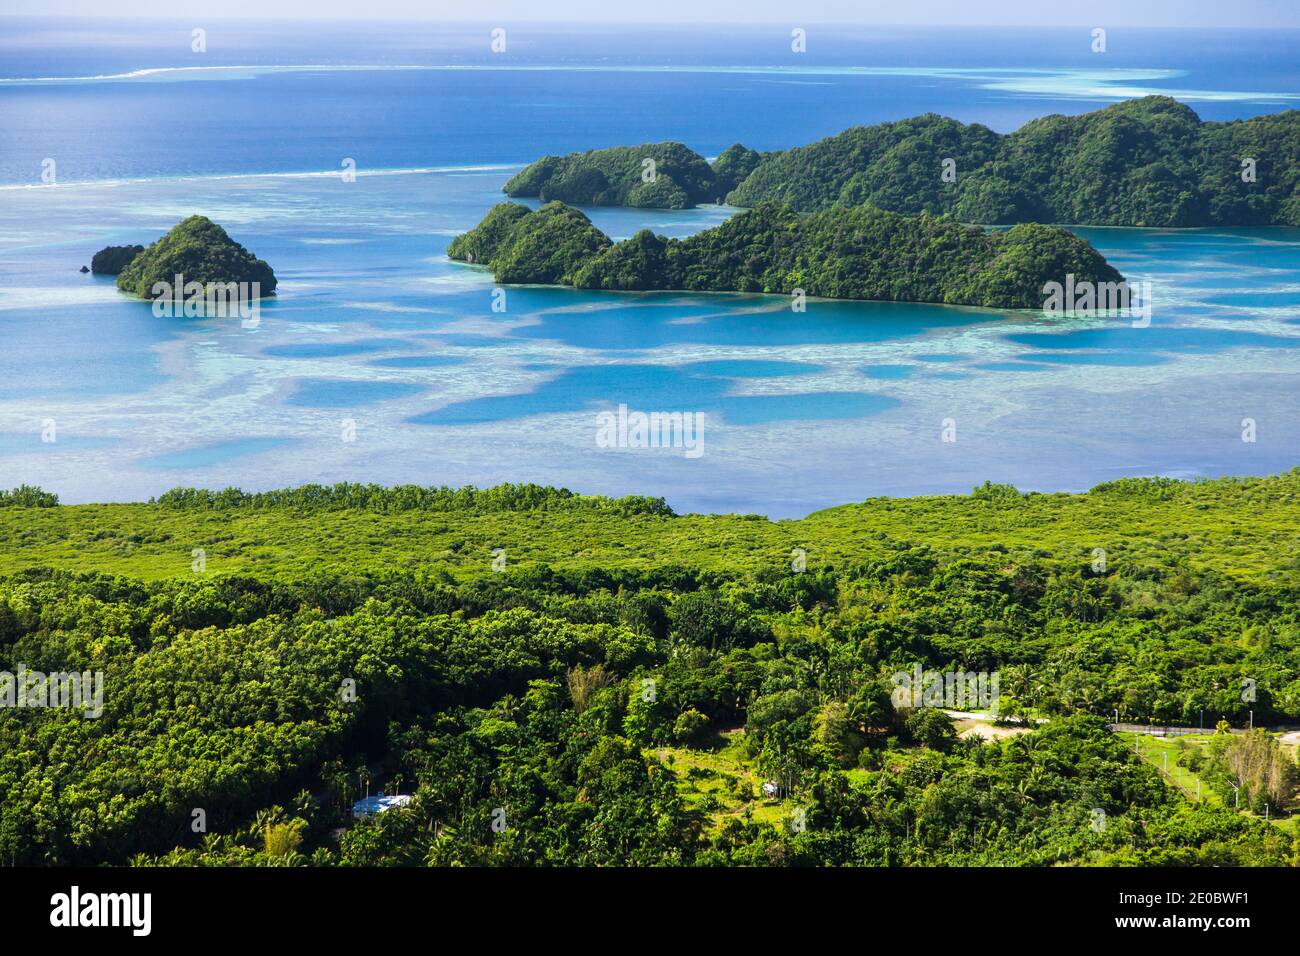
point(845, 253)
point(196, 249)
point(111, 260)
point(1143, 162)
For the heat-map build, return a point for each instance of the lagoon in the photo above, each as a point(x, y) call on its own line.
point(373, 325)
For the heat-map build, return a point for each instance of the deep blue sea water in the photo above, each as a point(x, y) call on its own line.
point(377, 335)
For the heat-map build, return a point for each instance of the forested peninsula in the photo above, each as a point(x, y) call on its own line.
point(1144, 162)
point(858, 253)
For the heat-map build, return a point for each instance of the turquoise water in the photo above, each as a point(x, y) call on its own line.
point(382, 360)
point(216, 453)
point(374, 325)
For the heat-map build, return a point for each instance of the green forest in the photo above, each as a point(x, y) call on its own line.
point(197, 249)
point(557, 679)
point(1143, 162)
point(858, 253)
point(653, 176)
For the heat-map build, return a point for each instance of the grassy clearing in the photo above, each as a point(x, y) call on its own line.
point(1168, 755)
point(723, 781)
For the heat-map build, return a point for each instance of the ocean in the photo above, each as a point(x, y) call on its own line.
point(381, 360)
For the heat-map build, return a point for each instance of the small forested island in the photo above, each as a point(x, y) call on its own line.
point(856, 253)
point(111, 260)
point(197, 249)
point(652, 176)
point(1143, 162)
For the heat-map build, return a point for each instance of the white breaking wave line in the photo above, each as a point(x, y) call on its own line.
point(252, 70)
point(1032, 81)
point(315, 174)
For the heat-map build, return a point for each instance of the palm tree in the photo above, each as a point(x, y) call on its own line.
point(266, 818)
point(1022, 682)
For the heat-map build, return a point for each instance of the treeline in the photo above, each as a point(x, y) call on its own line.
point(372, 497)
point(28, 496)
point(858, 253)
point(1143, 162)
point(1282, 487)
